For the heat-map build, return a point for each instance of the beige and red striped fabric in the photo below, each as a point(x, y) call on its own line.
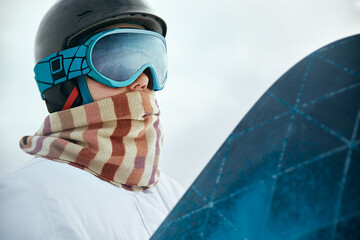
point(117, 139)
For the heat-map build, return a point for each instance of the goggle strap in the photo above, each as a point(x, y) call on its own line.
point(60, 67)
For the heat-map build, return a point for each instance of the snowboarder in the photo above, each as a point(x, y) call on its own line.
point(95, 173)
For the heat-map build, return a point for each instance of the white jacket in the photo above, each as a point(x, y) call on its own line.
point(51, 200)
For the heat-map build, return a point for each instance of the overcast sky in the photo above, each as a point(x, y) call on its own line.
point(223, 55)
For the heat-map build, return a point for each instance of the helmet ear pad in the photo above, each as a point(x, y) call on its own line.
point(68, 94)
point(63, 96)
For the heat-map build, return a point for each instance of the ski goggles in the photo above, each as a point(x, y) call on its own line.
point(114, 57)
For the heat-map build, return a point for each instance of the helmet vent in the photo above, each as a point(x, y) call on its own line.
point(84, 13)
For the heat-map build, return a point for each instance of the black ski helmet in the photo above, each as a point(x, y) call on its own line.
point(67, 23)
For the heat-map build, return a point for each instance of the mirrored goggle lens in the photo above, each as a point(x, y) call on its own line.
point(119, 56)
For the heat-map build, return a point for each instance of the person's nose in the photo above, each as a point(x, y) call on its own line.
point(140, 83)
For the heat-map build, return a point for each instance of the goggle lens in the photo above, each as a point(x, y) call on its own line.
point(119, 56)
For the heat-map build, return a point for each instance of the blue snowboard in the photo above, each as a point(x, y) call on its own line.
point(291, 168)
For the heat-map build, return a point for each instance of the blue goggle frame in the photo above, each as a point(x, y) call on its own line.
point(77, 61)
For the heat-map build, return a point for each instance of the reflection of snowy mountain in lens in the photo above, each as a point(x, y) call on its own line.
point(291, 168)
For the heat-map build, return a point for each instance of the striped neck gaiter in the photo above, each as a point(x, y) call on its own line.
point(117, 139)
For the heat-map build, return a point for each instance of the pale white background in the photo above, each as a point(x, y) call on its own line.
point(223, 56)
